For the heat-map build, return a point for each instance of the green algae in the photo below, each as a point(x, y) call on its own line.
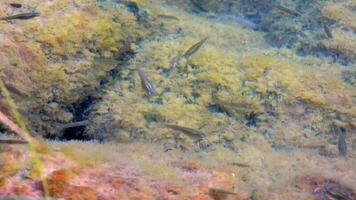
point(54, 63)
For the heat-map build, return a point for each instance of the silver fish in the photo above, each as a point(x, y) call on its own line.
point(337, 195)
point(194, 48)
point(188, 131)
point(22, 16)
point(175, 61)
point(286, 10)
point(74, 124)
point(342, 146)
point(245, 23)
point(239, 164)
point(221, 191)
point(9, 141)
point(168, 17)
point(146, 83)
point(327, 30)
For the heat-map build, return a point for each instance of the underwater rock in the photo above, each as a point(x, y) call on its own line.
point(326, 188)
point(241, 115)
point(54, 64)
point(215, 89)
point(72, 177)
point(349, 76)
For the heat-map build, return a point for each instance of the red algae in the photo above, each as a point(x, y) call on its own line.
point(58, 182)
point(70, 180)
point(21, 189)
point(168, 190)
point(190, 166)
point(59, 186)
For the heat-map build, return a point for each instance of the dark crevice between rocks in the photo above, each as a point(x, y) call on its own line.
point(251, 119)
point(81, 110)
point(218, 109)
point(81, 113)
point(337, 57)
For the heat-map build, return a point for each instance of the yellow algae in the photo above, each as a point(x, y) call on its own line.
point(264, 107)
point(298, 81)
point(212, 86)
point(84, 158)
point(186, 104)
point(341, 13)
point(78, 27)
point(176, 110)
point(54, 52)
point(342, 41)
point(154, 169)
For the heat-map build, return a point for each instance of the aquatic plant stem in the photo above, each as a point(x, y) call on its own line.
point(22, 131)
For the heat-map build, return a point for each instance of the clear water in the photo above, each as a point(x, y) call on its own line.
point(177, 99)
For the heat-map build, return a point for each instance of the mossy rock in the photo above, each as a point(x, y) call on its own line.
point(49, 61)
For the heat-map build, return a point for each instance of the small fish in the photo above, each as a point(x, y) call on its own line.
point(188, 131)
point(239, 164)
point(168, 17)
point(216, 190)
point(74, 124)
point(219, 194)
point(13, 141)
point(16, 5)
point(342, 143)
point(327, 30)
point(286, 10)
point(107, 61)
point(22, 16)
point(245, 23)
point(251, 12)
point(194, 48)
point(175, 61)
point(146, 83)
point(337, 195)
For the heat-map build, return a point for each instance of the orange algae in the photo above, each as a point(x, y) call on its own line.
point(57, 182)
point(169, 190)
point(192, 166)
point(322, 188)
point(60, 187)
point(173, 189)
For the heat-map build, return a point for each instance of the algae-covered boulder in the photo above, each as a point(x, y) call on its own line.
point(57, 67)
point(49, 62)
point(343, 16)
point(320, 28)
point(230, 89)
point(188, 99)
